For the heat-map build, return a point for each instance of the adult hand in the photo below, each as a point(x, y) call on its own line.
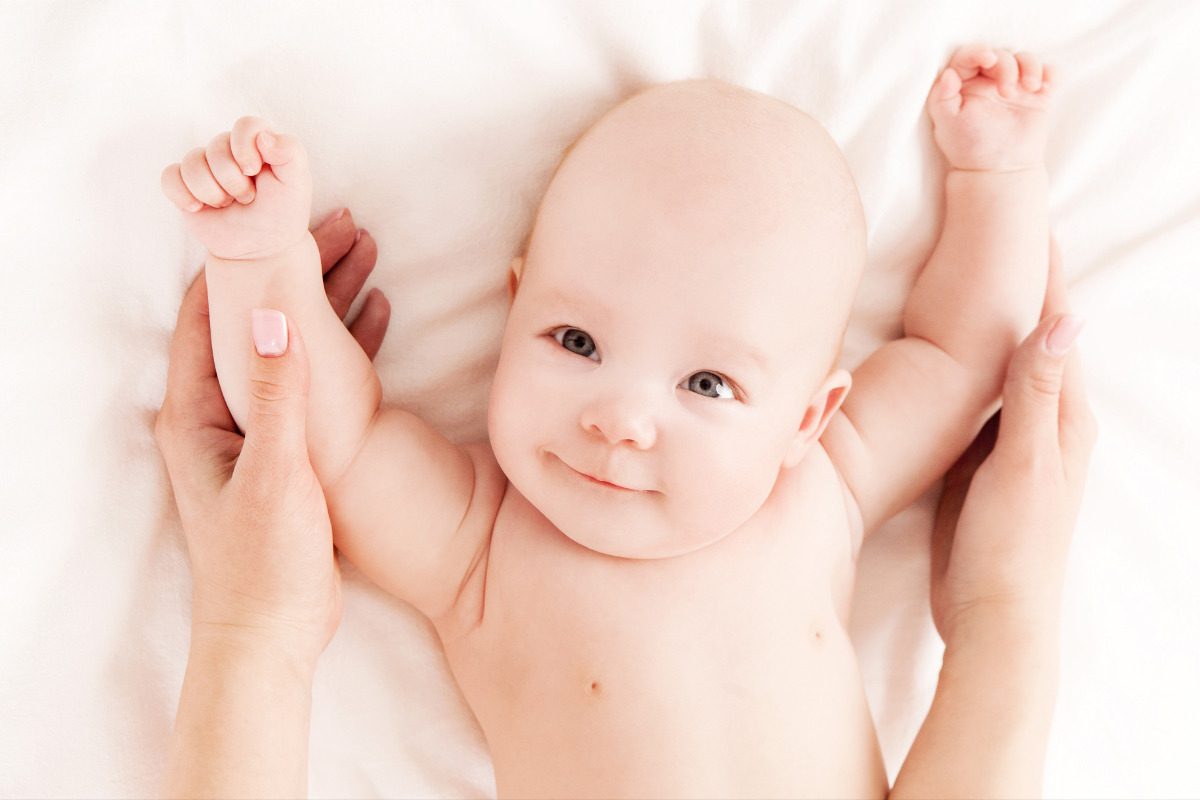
point(1004, 525)
point(254, 516)
point(267, 591)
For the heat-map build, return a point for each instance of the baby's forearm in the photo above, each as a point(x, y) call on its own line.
point(981, 291)
point(344, 391)
point(987, 731)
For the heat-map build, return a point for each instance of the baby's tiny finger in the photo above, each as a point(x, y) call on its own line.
point(1004, 72)
point(176, 191)
point(200, 181)
point(969, 61)
point(946, 95)
point(226, 170)
point(1049, 78)
point(241, 143)
point(1030, 68)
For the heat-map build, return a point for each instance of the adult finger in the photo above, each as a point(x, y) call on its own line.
point(279, 381)
point(334, 237)
point(371, 326)
point(1056, 302)
point(193, 398)
point(1029, 418)
point(345, 281)
point(954, 493)
point(1077, 427)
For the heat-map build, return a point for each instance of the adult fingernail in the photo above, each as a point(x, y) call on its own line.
point(269, 329)
point(1063, 334)
point(332, 218)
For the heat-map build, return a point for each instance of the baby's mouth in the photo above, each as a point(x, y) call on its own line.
point(592, 479)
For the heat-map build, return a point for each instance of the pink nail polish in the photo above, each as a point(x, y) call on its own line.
point(269, 329)
point(1063, 335)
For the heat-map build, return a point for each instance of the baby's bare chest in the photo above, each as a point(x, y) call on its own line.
point(717, 667)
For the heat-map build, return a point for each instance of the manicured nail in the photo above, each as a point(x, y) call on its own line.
point(332, 218)
point(269, 329)
point(1062, 335)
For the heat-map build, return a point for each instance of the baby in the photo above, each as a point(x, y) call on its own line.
point(643, 580)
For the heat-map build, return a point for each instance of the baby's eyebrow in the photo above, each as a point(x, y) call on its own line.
point(737, 353)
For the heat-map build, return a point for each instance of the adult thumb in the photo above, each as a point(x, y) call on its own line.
point(1029, 417)
point(275, 432)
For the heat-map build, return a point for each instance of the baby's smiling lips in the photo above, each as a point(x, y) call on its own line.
point(598, 481)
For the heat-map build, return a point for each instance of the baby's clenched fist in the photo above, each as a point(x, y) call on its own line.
point(247, 195)
point(989, 109)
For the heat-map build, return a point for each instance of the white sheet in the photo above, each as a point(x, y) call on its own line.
point(437, 123)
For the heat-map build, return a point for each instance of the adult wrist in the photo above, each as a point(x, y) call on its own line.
point(1015, 647)
point(286, 654)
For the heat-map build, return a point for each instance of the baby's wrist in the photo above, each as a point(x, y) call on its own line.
point(304, 245)
point(1030, 170)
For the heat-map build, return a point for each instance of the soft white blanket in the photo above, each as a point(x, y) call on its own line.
point(438, 123)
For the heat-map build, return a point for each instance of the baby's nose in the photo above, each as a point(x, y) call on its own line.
point(626, 417)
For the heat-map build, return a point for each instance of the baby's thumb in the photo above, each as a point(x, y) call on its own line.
point(1029, 417)
point(283, 153)
point(275, 433)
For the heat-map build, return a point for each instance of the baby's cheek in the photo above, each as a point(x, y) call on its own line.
point(726, 484)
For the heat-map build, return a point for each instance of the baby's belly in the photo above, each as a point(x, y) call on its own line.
point(788, 722)
point(612, 685)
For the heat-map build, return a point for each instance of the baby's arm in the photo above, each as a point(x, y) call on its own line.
point(397, 492)
point(918, 401)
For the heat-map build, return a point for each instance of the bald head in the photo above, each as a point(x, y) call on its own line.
point(726, 170)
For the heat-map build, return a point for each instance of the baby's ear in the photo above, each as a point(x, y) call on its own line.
point(820, 411)
point(515, 268)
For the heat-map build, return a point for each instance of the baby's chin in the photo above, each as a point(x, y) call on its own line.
point(625, 525)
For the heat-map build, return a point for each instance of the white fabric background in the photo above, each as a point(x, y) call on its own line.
point(438, 123)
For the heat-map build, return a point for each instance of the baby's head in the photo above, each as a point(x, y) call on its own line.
point(677, 318)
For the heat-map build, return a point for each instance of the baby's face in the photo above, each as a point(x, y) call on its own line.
point(675, 314)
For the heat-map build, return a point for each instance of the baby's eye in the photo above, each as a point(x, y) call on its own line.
point(710, 384)
point(577, 342)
